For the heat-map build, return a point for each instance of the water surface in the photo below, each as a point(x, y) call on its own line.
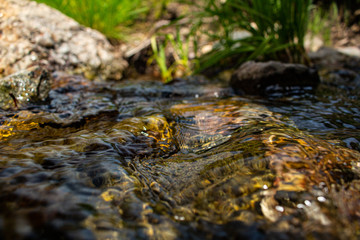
point(188, 160)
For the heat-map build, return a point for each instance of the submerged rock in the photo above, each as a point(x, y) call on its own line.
point(24, 86)
point(273, 77)
point(33, 34)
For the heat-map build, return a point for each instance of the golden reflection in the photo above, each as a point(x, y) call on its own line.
point(246, 162)
point(20, 122)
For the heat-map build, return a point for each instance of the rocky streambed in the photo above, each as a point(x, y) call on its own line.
point(187, 160)
point(138, 159)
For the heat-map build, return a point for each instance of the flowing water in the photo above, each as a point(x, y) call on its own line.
point(187, 160)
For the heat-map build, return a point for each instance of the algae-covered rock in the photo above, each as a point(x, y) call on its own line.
point(24, 86)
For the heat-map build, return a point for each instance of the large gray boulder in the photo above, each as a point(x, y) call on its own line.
point(267, 78)
point(35, 34)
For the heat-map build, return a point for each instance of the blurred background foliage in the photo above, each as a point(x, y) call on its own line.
point(238, 30)
point(111, 17)
point(247, 30)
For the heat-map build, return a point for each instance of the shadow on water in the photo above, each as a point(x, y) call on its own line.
point(142, 160)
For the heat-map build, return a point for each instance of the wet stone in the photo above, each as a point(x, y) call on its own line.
point(273, 78)
point(25, 86)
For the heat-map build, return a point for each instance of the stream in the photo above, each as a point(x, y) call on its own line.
point(186, 160)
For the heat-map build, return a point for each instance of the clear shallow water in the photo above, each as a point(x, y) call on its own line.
point(142, 160)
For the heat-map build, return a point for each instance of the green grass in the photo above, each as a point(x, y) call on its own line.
point(277, 30)
point(157, 7)
point(108, 16)
point(321, 21)
point(182, 65)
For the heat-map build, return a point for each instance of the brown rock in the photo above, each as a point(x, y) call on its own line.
point(273, 77)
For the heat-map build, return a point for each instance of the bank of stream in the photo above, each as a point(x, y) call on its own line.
point(186, 160)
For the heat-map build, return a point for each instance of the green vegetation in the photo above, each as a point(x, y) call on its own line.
point(321, 21)
point(157, 7)
point(107, 16)
point(181, 65)
point(347, 10)
point(273, 29)
point(160, 57)
point(238, 30)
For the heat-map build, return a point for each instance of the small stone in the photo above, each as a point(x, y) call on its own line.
point(24, 86)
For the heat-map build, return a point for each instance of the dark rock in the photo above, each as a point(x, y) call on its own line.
point(330, 59)
point(273, 77)
point(18, 89)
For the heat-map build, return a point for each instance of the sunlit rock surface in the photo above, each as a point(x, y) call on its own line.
point(20, 88)
point(33, 34)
